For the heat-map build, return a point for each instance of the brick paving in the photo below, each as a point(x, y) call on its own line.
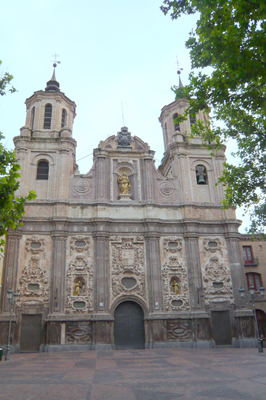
point(170, 374)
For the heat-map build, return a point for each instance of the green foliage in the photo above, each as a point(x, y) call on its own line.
point(4, 82)
point(230, 39)
point(11, 207)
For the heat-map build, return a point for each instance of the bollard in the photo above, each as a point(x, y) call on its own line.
point(1, 353)
point(260, 344)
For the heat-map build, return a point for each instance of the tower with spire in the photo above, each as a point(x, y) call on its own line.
point(45, 143)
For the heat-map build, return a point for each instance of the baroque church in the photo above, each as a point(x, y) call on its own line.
point(126, 255)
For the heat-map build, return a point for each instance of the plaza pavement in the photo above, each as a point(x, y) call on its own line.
point(170, 374)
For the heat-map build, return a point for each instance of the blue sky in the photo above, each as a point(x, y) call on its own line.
point(110, 51)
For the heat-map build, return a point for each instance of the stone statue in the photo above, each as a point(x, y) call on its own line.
point(77, 287)
point(124, 183)
point(175, 286)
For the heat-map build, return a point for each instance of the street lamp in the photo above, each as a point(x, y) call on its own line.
point(252, 295)
point(12, 298)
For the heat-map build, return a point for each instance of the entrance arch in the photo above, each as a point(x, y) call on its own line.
point(129, 326)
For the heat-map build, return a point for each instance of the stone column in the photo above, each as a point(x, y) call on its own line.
point(154, 273)
point(10, 268)
point(236, 267)
point(101, 178)
point(148, 180)
point(58, 274)
point(101, 272)
point(194, 271)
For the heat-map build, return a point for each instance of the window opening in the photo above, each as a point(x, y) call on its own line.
point(192, 120)
point(177, 126)
point(43, 170)
point(201, 175)
point(63, 120)
point(261, 318)
point(254, 279)
point(248, 256)
point(47, 117)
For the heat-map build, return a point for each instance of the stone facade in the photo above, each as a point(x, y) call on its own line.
point(125, 232)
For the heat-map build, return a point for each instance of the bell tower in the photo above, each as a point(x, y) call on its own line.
point(45, 148)
point(186, 159)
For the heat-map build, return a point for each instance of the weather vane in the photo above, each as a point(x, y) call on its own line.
point(55, 56)
point(178, 67)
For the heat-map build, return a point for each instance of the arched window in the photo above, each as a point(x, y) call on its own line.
point(63, 120)
point(32, 117)
point(192, 119)
point(254, 279)
point(201, 175)
point(177, 126)
point(43, 170)
point(47, 117)
point(261, 317)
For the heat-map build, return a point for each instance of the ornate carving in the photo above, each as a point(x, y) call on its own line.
point(124, 137)
point(35, 244)
point(158, 331)
point(247, 327)
point(75, 244)
point(102, 330)
point(79, 271)
point(179, 330)
point(33, 276)
point(81, 185)
point(167, 188)
point(172, 245)
point(78, 332)
point(127, 259)
point(217, 283)
point(212, 244)
point(173, 271)
point(54, 333)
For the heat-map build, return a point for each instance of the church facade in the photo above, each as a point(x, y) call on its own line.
point(126, 255)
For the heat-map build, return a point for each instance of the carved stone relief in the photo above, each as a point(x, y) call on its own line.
point(35, 244)
point(217, 283)
point(79, 285)
point(172, 245)
point(79, 244)
point(128, 267)
point(167, 188)
point(79, 275)
point(78, 332)
point(33, 283)
point(54, 333)
point(82, 185)
point(175, 280)
point(178, 330)
point(212, 245)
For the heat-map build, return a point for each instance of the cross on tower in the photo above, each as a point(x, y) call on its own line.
point(55, 56)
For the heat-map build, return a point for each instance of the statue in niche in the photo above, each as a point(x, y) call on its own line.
point(124, 183)
point(175, 286)
point(77, 291)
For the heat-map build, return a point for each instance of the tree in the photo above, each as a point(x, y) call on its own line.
point(230, 39)
point(11, 207)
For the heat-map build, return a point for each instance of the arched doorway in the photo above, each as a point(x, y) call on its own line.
point(129, 326)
